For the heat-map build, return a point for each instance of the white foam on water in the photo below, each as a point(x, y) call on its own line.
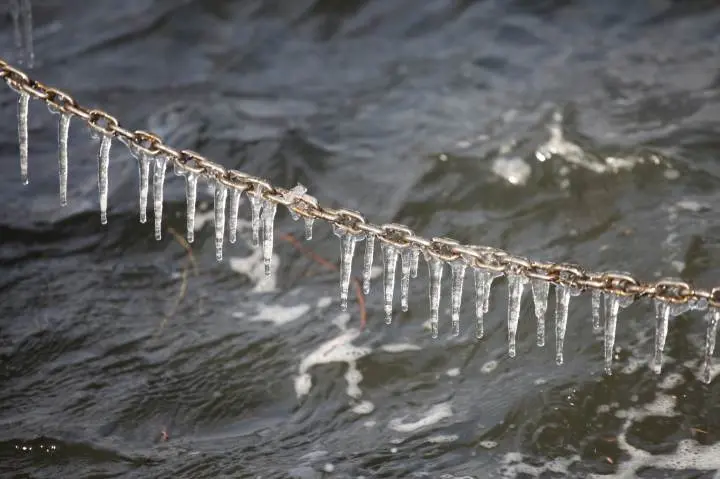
point(443, 438)
point(252, 266)
point(454, 372)
point(278, 315)
point(488, 444)
point(399, 347)
point(513, 466)
point(363, 408)
point(432, 416)
point(514, 170)
point(489, 366)
point(324, 302)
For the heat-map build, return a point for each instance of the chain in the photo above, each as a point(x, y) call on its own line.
point(353, 222)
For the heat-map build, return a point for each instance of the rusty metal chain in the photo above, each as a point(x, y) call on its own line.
point(353, 222)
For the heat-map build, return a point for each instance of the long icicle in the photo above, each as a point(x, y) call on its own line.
point(390, 256)
point(516, 284)
point(63, 133)
point(405, 268)
point(235, 195)
point(458, 268)
point(435, 270)
point(191, 181)
point(23, 107)
point(596, 302)
point(256, 205)
point(414, 262)
point(663, 312)
point(613, 303)
point(268, 221)
point(483, 286)
point(220, 201)
point(144, 173)
point(347, 252)
point(368, 262)
point(158, 192)
point(103, 166)
point(540, 290)
point(713, 318)
point(562, 306)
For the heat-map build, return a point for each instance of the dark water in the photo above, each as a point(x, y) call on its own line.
point(435, 114)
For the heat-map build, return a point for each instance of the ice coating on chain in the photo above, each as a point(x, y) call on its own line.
point(235, 196)
point(219, 210)
point(405, 263)
point(21, 13)
point(160, 166)
point(256, 206)
point(191, 180)
point(562, 306)
point(613, 303)
point(663, 312)
point(309, 222)
point(347, 252)
point(540, 290)
point(596, 301)
point(414, 261)
point(23, 106)
point(268, 223)
point(457, 268)
point(291, 195)
point(390, 256)
point(435, 270)
point(368, 262)
point(483, 285)
point(516, 285)
point(712, 318)
point(103, 166)
point(144, 172)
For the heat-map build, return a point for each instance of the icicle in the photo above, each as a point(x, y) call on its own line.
point(562, 305)
point(516, 284)
point(414, 261)
point(613, 303)
point(21, 12)
point(191, 180)
point(347, 252)
point(435, 270)
point(219, 210)
point(268, 222)
point(63, 133)
point(256, 205)
point(483, 285)
point(712, 318)
point(663, 312)
point(309, 228)
point(103, 166)
point(596, 300)
point(405, 261)
point(368, 262)
point(23, 105)
point(144, 172)
point(540, 291)
point(235, 196)
point(458, 268)
point(390, 256)
point(158, 187)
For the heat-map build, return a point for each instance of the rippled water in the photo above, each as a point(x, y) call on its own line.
point(562, 130)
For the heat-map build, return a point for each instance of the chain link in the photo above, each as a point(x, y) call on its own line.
point(397, 235)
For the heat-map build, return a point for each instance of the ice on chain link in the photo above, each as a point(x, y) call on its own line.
point(596, 302)
point(235, 196)
point(516, 285)
point(269, 209)
point(457, 268)
point(405, 268)
point(712, 318)
point(390, 256)
point(219, 210)
point(540, 290)
point(23, 106)
point(103, 166)
point(613, 303)
point(160, 165)
point(63, 133)
point(348, 241)
point(435, 270)
point(562, 306)
point(483, 285)
point(191, 181)
point(663, 312)
point(21, 13)
point(292, 194)
point(144, 161)
point(256, 206)
point(368, 262)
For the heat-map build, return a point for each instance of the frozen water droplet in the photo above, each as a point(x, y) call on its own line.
point(405, 278)
point(368, 262)
point(613, 303)
point(23, 106)
point(458, 268)
point(483, 285)
point(235, 196)
point(540, 291)
point(21, 13)
point(663, 312)
point(309, 222)
point(144, 173)
point(256, 205)
point(191, 180)
point(516, 284)
point(103, 166)
point(390, 256)
point(562, 305)
point(712, 318)
point(219, 210)
point(268, 221)
point(435, 270)
point(158, 187)
point(596, 301)
point(347, 252)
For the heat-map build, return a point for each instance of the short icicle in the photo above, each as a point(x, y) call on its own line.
point(348, 241)
point(483, 286)
point(406, 266)
point(390, 256)
point(516, 285)
point(191, 181)
point(562, 306)
point(596, 301)
point(235, 195)
point(144, 172)
point(435, 270)
point(540, 290)
point(256, 205)
point(309, 222)
point(663, 312)
point(712, 317)
point(269, 209)
point(219, 205)
point(458, 268)
point(103, 166)
point(368, 262)
point(23, 107)
point(158, 192)
point(613, 303)
point(414, 261)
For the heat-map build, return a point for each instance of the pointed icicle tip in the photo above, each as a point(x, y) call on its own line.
point(483, 285)
point(562, 298)
point(191, 180)
point(663, 313)
point(516, 285)
point(144, 174)
point(613, 303)
point(390, 256)
point(347, 252)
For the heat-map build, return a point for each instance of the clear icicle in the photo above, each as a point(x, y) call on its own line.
point(483, 285)
point(256, 205)
point(309, 222)
point(390, 256)
point(405, 263)
point(144, 172)
point(158, 187)
point(458, 268)
point(103, 166)
point(219, 210)
point(235, 196)
point(191, 180)
point(347, 252)
point(63, 132)
point(540, 290)
point(414, 262)
point(435, 270)
point(516, 285)
point(562, 306)
point(663, 312)
point(613, 303)
point(268, 223)
point(368, 262)
point(596, 301)
point(712, 318)
point(21, 12)
point(23, 106)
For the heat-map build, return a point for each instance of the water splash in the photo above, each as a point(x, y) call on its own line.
point(158, 192)
point(540, 290)
point(221, 193)
point(390, 256)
